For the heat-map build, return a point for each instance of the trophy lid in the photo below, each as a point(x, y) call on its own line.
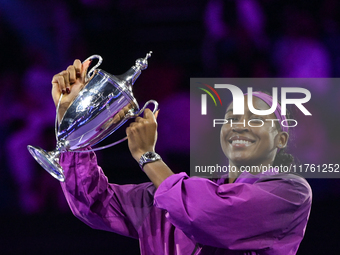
point(133, 73)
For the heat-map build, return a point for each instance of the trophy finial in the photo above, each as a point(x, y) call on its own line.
point(142, 63)
point(133, 73)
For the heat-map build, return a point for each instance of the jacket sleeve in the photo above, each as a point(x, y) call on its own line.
point(101, 205)
point(237, 215)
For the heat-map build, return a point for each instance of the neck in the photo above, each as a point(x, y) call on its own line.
point(235, 170)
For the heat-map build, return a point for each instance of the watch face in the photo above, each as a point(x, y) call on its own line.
point(149, 155)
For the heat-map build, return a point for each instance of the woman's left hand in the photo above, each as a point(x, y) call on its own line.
point(142, 134)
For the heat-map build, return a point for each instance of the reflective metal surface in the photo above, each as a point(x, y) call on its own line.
point(104, 104)
point(92, 115)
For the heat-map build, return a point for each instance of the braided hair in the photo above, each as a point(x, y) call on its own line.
point(282, 157)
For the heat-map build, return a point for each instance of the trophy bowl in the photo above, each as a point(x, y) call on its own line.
point(100, 108)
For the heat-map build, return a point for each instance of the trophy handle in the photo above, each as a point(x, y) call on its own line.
point(127, 116)
point(142, 110)
point(100, 60)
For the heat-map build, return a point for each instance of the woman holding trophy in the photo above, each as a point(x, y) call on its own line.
point(261, 213)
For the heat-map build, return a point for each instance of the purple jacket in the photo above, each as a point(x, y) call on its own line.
point(263, 215)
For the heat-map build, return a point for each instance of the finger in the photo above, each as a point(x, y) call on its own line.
point(134, 124)
point(72, 78)
point(55, 83)
point(66, 76)
point(55, 90)
point(77, 66)
point(128, 131)
point(84, 68)
point(132, 129)
point(156, 114)
point(148, 114)
point(139, 119)
point(118, 117)
point(72, 73)
point(127, 108)
point(61, 83)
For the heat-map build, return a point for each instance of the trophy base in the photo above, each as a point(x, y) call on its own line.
point(47, 161)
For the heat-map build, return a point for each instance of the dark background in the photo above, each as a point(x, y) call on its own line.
point(244, 38)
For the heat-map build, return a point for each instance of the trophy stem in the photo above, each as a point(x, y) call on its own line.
point(104, 147)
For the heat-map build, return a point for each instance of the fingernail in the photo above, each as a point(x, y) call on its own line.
point(156, 113)
point(78, 74)
point(68, 90)
point(63, 91)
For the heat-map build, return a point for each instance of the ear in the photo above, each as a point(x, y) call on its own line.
point(282, 140)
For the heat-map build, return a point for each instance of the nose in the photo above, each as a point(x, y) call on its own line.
point(240, 126)
point(240, 129)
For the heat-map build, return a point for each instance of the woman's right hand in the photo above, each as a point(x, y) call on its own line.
point(69, 82)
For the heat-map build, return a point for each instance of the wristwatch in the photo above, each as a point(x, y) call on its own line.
point(148, 157)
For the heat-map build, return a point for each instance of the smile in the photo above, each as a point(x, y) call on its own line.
point(241, 141)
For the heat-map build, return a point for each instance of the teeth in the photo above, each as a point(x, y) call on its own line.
point(240, 141)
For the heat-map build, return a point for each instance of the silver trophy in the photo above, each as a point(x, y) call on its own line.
point(101, 107)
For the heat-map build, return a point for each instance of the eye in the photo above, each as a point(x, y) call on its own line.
point(256, 120)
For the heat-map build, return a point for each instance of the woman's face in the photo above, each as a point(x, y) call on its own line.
point(247, 145)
